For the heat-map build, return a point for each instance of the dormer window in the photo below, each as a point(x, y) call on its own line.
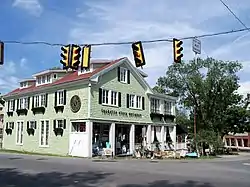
point(44, 79)
point(82, 71)
point(23, 84)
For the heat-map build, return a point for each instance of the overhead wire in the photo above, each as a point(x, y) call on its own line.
point(124, 43)
point(236, 17)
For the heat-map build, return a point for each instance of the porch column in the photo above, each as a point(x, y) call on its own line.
point(173, 135)
point(236, 142)
point(242, 142)
point(149, 136)
point(89, 130)
point(132, 139)
point(230, 142)
point(162, 137)
point(112, 137)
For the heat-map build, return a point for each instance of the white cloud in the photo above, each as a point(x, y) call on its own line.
point(244, 88)
point(23, 63)
point(32, 6)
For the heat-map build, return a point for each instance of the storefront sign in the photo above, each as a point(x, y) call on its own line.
point(122, 114)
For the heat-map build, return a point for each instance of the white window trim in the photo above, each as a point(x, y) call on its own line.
point(126, 75)
point(17, 142)
point(41, 78)
point(23, 104)
point(57, 126)
point(11, 109)
point(58, 99)
point(40, 100)
point(158, 109)
point(135, 101)
point(109, 98)
point(40, 131)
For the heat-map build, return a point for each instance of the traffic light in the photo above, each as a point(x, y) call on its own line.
point(177, 50)
point(85, 62)
point(138, 54)
point(75, 57)
point(66, 56)
point(1, 53)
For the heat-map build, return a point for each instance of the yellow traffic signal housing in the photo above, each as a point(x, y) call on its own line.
point(85, 62)
point(75, 57)
point(177, 50)
point(1, 53)
point(138, 54)
point(66, 56)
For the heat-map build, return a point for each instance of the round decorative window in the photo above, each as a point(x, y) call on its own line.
point(75, 103)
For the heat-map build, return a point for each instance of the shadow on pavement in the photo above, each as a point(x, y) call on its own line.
point(166, 183)
point(14, 178)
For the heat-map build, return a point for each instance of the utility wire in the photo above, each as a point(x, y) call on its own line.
point(230, 10)
point(125, 43)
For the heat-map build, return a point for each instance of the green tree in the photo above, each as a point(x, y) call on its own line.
point(1, 99)
point(209, 86)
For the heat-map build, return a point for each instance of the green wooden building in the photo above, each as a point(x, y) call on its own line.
point(110, 105)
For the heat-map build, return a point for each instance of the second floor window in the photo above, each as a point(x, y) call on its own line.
point(11, 105)
point(155, 105)
point(167, 107)
point(23, 103)
point(109, 97)
point(135, 101)
point(40, 100)
point(60, 97)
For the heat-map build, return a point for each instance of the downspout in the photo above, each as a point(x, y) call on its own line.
point(89, 100)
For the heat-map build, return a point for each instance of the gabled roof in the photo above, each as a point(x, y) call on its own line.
point(69, 77)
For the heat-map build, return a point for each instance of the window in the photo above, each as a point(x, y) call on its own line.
point(36, 101)
point(109, 97)
point(60, 98)
point(60, 123)
point(43, 99)
point(44, 133)
point(155, 105)
point(9, 125)
point(78, 127)
point(105, 97)
point(123, 75)
point(19, 133)
point(24, 84)
point(167, 107)
point(23, 103)
point(135, 101)
point(31, 124)
point(48, 78)
point(11, 105)
point(40, 100)
point(44, 79)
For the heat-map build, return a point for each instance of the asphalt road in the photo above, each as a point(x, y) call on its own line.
point(42, 171)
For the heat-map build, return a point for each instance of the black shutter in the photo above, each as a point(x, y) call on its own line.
point(17, 107)
point(54, 123)
point(119, 99)
point(14, 104)
point(6, 125)
point(127, 100)
point(12, 125)
point(55, 98)
point(64, 123)
point(64, 95)
point(8, 106)
point(33, 102)
point(143, 103)
point(35, 124)
point(28, 106)
point(46, 100)
point(118, 74)
point(100, 96)
point(128, 76)
point(28, 124)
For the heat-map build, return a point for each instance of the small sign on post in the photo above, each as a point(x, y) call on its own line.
point(196, 46)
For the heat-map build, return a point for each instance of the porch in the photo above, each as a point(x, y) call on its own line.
point(92, 138)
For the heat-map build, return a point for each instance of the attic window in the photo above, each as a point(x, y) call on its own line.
point(23, 84)
point(80, 71)
point(44, 79)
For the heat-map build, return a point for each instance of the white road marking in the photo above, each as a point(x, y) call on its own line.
point(246, 164)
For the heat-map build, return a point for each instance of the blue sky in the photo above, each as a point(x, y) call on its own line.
point(94, 21)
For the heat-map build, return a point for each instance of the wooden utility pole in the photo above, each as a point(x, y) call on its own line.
point(195, 142)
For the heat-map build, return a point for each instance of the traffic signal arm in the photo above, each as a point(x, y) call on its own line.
point(1, 53)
